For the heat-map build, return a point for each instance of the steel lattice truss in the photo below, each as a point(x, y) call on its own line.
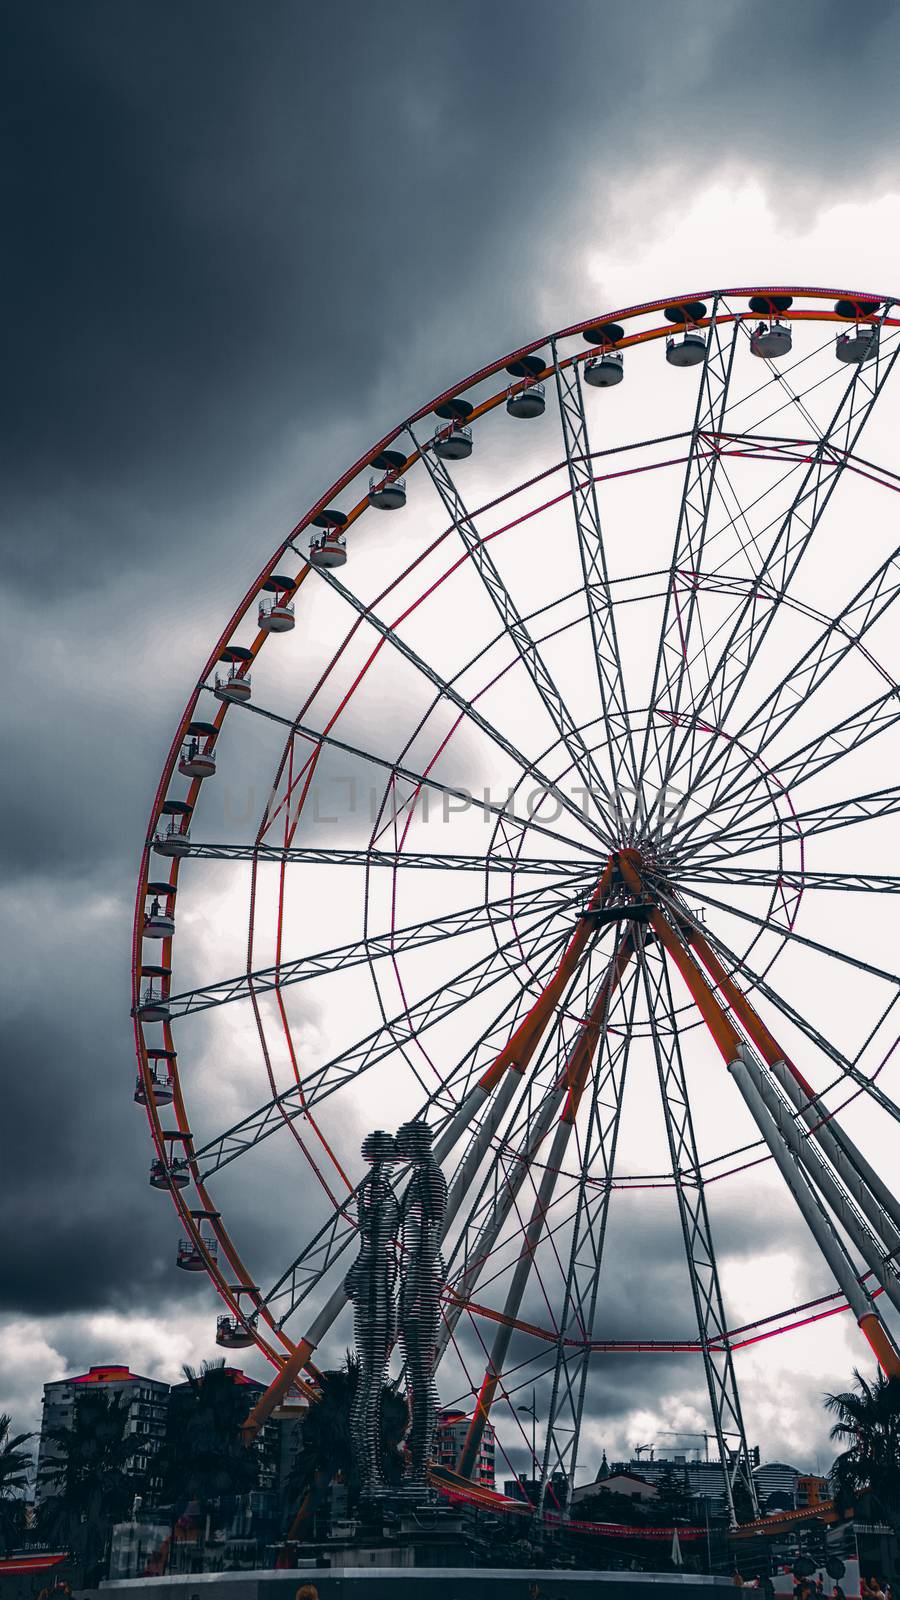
point(559, 816)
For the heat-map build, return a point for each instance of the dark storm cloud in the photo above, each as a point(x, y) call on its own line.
point(644, 1295)
point(239, 242)
point(230, 221)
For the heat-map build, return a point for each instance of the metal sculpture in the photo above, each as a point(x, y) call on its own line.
point(422, 1215)
point(371, 1285)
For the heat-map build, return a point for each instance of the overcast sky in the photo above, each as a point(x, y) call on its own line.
point(239, 243)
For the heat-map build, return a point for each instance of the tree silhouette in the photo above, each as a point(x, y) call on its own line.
point(91, 1482)
point(869, 1422)
point(326, 1452)
point(14, 1464)
point(203, 1457)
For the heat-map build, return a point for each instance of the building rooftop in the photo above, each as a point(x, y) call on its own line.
point(110, 1374)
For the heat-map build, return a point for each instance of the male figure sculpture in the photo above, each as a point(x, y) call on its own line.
point(422, 1275)
point(371, 1285)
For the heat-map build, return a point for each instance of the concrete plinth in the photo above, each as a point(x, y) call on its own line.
point(421, 1583)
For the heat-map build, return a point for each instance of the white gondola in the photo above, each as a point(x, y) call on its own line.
point(198, 757)
point(387, 494)
point(233, 686)
point(860, 343)
point(153, 1005)
point(162, 1177)
point(606, 368)
point(191, 1258)
point(276, 616)
point(688, 350)
point(857, 346)
point(327, 540)
point(453, 444)
point(527, 402)
point(153, 998)
point(328, 550)
point(234, 683)
point(771, 341)
point(159, 916)
point(162, 1092)
point(162, 1087)
point(602, 371)
point(771, 338)
point(172, 838)
point(233, 1333)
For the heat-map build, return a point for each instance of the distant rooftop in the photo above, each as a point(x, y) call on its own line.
point(106, 1375)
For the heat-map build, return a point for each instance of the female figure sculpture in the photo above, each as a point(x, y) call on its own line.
point(422, 1225)
point(371, 1285)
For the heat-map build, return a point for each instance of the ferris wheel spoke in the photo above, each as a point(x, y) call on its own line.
point(847, 1068)
point(472, 919)
point(811, 759)
point(447, 691)
point(690, 1191)
point(776, 878)
point(305, 1273)
point(597, 591)
point(780, 564)
point(470, 1091)
point(845, 813)
point(834, 643)
point(780, 380)
point(421, 780)
point(420, 860)
point(516, 628)
point(793, 937)
point(679, 610)
point(585, 1260)
point(357, 1059)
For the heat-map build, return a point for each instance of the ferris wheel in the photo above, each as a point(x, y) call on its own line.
point(543, 786)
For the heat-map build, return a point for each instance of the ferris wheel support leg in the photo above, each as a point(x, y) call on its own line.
point(507, 1070)
point(576, 1076)
point(730, 1045)
point(599, 1144)
point(290, 1371)
point(826, 1238)
point(869, 1191)
point(807, 1154)
point(699, 1248)
point(479, 1251)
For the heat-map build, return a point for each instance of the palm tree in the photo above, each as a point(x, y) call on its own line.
point(869, 1422)
point(90, 1482)
point(14, 1464)
point(203, 1457)
point(327, 1448)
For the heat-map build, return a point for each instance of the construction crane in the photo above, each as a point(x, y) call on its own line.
point(640, 1448)
point(684, 1433)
